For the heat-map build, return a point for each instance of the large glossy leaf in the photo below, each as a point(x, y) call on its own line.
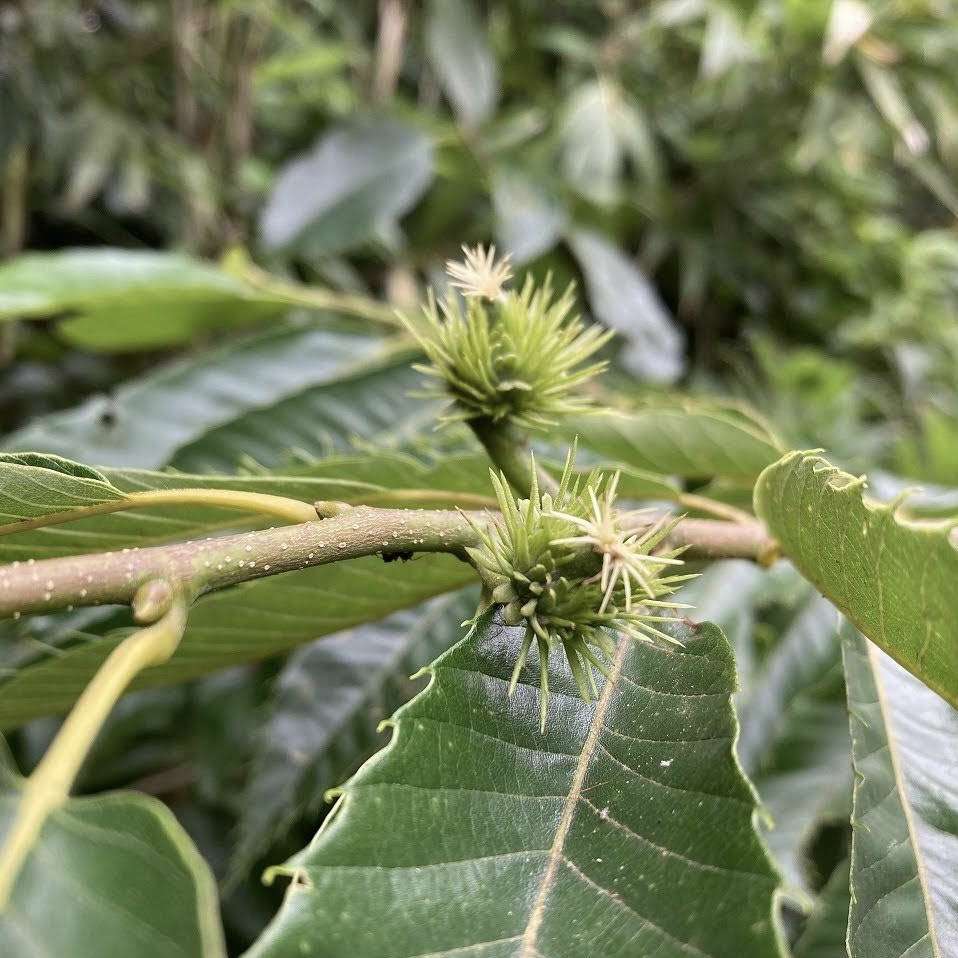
point(891, 575)
point(623, 299)
point(356, 180)
point(691, 438)
point(905, 818)
point(163, 417)
point(326, 708)
point(110, 877)
point(626, 829)
point(109, 293)
point(458, 49)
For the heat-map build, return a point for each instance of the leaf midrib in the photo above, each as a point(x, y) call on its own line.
point(570, 804)
point(902, 789)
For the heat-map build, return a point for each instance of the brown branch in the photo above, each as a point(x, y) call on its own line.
point(210, 564)
point(717, 539)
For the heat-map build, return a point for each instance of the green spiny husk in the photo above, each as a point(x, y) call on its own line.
point(520, 358)
point(527, 570)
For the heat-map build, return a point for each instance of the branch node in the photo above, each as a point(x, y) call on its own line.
point(328, 509)
point(152, 601)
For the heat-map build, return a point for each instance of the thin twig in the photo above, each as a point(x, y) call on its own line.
point(720, 509)
point(508, 449)
point(280, 507)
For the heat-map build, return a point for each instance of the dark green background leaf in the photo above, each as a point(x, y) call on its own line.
point(356, 180)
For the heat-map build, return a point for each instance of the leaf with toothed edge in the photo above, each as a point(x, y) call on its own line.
point(325, 712)
point(892, 576)
point(626, 829)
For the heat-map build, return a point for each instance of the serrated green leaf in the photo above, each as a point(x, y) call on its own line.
point(892, 576)
point(689, 438)
point(905, 814)
point(105, 292)
point(457, 47)
point(327, 705)
point(625, 829)
point(356, 180)
point(110, 877)
point(824, 934)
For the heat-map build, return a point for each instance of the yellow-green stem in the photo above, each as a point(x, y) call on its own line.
point(720, 509)
point(49, 786)
point(279, 507)
point(508, 449)
point(311, 297)
point(428, 497)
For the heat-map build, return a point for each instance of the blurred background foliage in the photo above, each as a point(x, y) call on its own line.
point(766, 187)
point(760, 197)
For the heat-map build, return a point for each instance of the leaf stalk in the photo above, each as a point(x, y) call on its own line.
point(49, 786)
